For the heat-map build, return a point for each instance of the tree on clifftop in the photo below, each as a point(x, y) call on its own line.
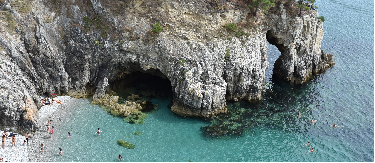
point(261, 4)
point(306, 5)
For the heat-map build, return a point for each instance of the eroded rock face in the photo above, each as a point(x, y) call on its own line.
point(299, 42)
point(79, 47)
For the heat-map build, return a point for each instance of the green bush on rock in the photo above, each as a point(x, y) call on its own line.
point(125, 144)
point(157, 28)
point(321, 18)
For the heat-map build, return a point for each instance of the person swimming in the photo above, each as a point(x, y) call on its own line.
point(308, 144)
point(69, 135)
point(313, 121)
point(335, 125)
point(120, 157)
point(60, 151)
point(98, 132)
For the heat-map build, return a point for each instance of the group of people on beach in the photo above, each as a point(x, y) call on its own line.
point(5, 136)
point(49, 101)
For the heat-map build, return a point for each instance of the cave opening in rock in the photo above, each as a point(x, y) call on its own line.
point(147, 85)
point(274, 52)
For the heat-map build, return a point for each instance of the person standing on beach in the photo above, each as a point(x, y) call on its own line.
point(14, 140)
point(3, 141)
point(26, 139)
point(98, 132)
point(6, 134)
point(60, 151)
point(48, 124)
point(68, 135)
point(41, 148)
point(52, 131)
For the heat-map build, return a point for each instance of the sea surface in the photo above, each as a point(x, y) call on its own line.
point(343, 95)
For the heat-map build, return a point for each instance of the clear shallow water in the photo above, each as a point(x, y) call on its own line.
point(343, 95)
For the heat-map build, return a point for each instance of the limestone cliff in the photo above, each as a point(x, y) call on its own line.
point(80, 47)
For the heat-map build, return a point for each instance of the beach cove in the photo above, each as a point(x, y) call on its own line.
point(343, 95)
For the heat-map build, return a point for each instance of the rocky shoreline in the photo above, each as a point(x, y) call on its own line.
point(56, 113)
point(31, 153)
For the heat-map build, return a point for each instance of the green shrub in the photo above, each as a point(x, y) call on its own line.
point(125, 144)
point(157, 28)
point(321, 18)
point(239, 33)
point(182, 61)
point(87, 22)
point(98, 21)
point(231, 27)
point(227, 55)
point(104, 33)
point(97, 43)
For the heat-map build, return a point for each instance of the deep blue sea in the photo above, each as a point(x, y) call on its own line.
point(344, 95)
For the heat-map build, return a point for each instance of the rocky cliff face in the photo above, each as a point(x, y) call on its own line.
point(80, 47)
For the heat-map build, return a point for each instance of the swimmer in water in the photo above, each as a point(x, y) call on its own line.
point(335, 125)
point(68, 135)
point(60, 151)
point(308, 144)
point(98, 132)
point(120, 157)
point(313, 121)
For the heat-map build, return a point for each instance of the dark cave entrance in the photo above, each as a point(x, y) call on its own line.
point(147, 85)
point(274, 53)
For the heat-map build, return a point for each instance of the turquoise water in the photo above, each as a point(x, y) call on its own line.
point(344, 95)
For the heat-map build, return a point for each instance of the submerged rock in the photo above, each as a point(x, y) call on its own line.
point(133, 111)
point(139, 133)
point(125, 144)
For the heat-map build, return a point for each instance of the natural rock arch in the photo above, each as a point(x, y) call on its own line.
point(299, 42)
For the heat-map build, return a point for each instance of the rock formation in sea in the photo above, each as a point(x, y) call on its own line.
point(210, 51)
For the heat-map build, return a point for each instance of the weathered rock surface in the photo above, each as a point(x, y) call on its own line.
point(79, 47)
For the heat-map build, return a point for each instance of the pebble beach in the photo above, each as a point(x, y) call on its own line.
point(32, 153)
